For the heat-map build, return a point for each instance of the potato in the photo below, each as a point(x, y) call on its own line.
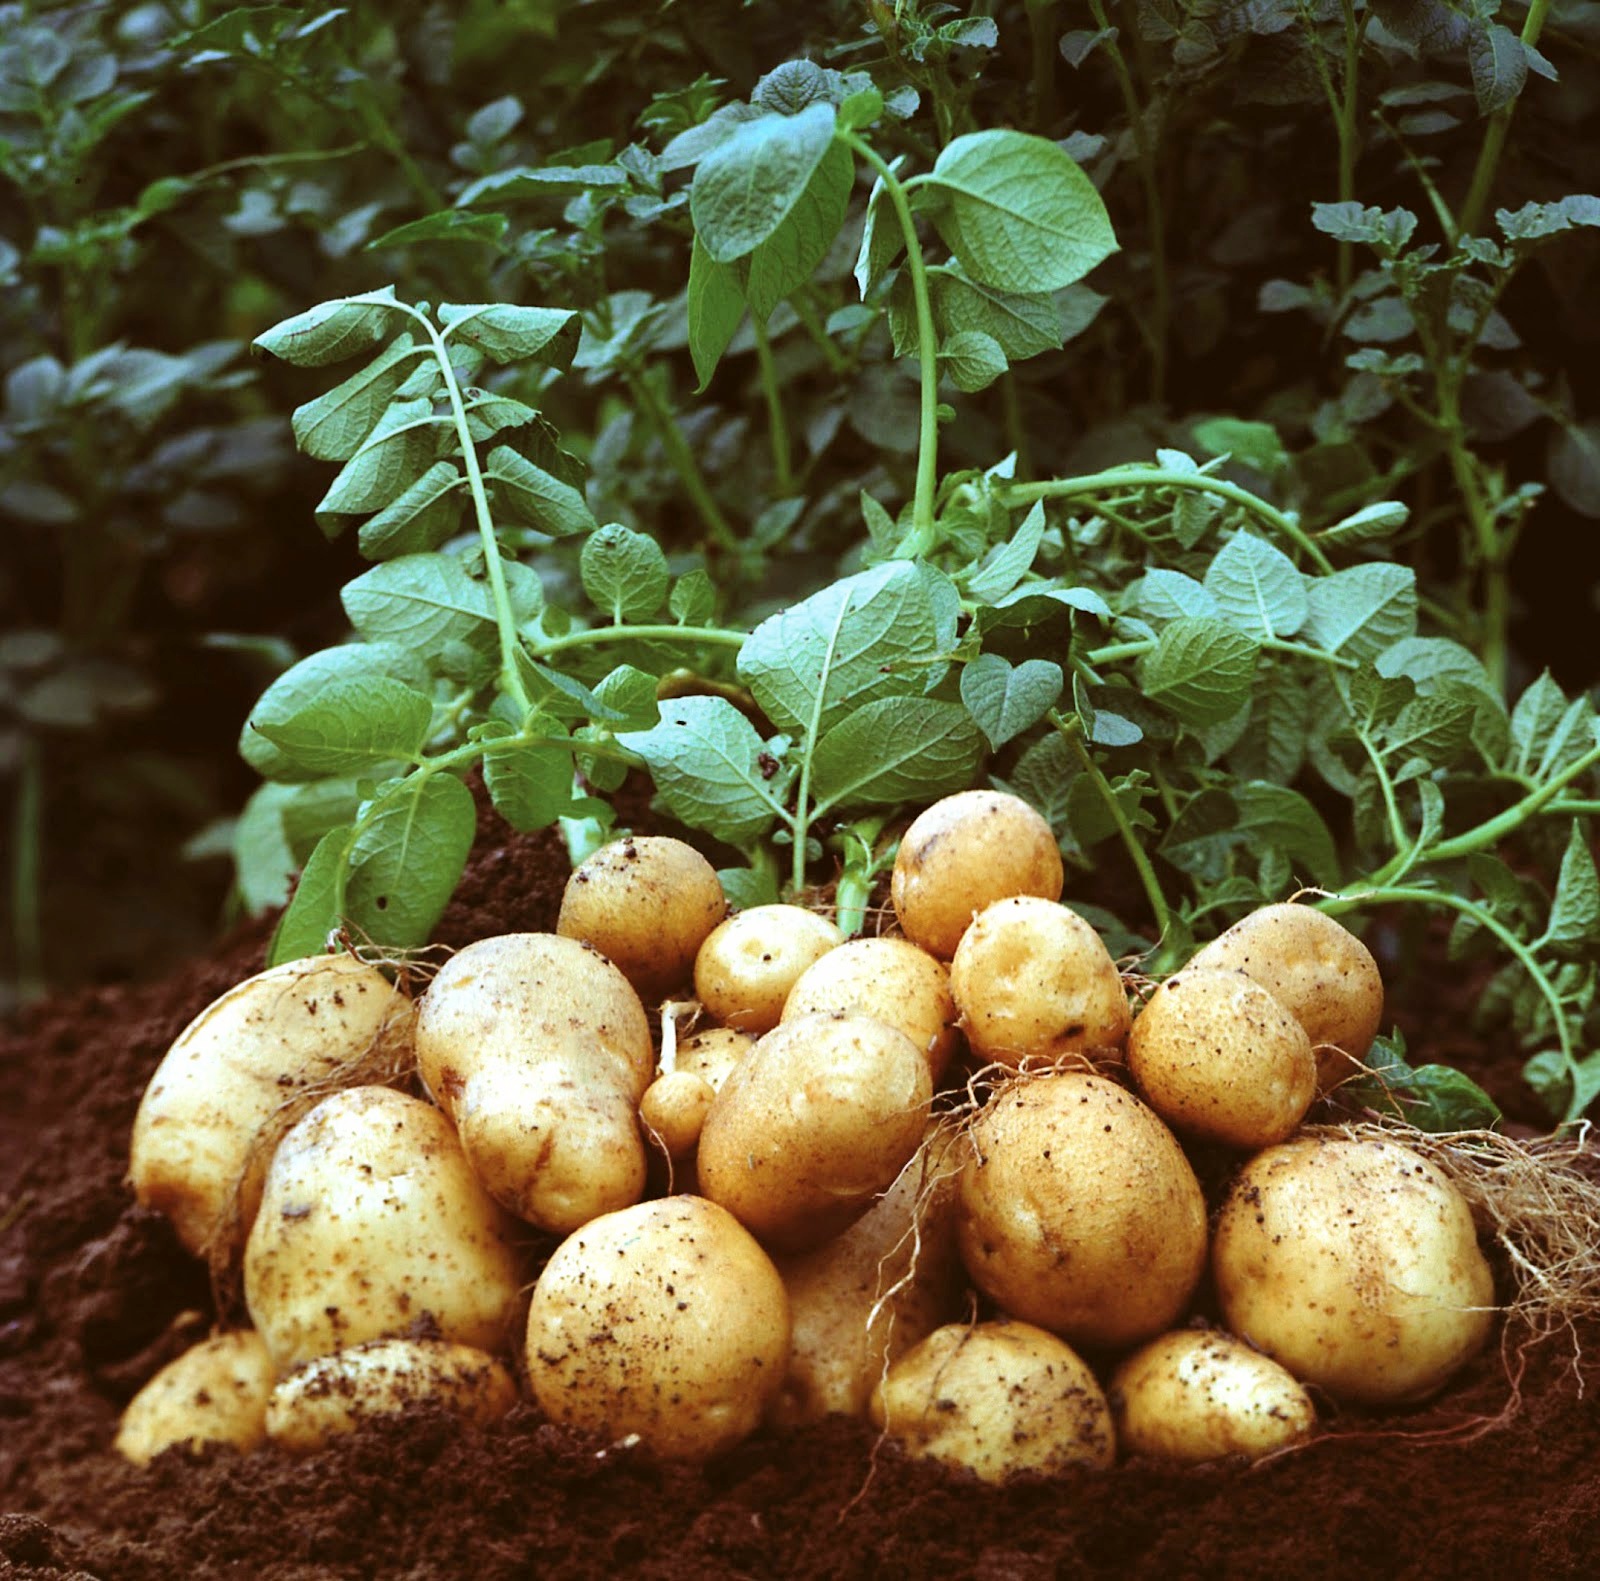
point(203, 1134)
point(372, 1226)
point(712, 1053)
point(665, 1319)
point(1216, 1056)
point(336, 1394)
point(1356, 1265)
point(997, 1398)
point(1034, 982)
point(964, 853)
point(748, 964)
point(1319, 971)
point(1195, 1396)
point(646, 904)
point(812, 1124)
point(674, 1109)
point(214, 1393)
point(1079, 1212)
point(890, 980)
point(539, 1050)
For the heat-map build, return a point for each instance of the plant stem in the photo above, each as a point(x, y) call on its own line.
point(682, 460)
point(27, 831)
point(818, 331)
point(1042, 36)
point(1476, 203)
point(802, 813)
point(777, 425)
point(1016, 429)
point(1133, 650)
point(718, 635)
point(1347, 109)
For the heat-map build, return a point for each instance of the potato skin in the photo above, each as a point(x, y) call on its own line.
point(1079, 1211)
point(674, 1109)
point(214, 1393)
point(711, 1053)
point(964, 853)
point(1356, 1265)
point(665, 1319)
point(997, 1398)
point(748, 964)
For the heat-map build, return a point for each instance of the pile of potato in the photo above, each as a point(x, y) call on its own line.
point(792, 1203)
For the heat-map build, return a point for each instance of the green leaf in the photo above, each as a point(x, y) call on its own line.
point(788, 258)
point(332, 331)
point(1575, 912)
point(533, 496)
point(529, 782)
point(1371, 521)
point(632, 693)
point(334, 426)
point(445, 225)
point(694, 599)
point(624, 573)
point(1574, 467)
point(1005, 564)
point(1023, 324)
point(716, 305)
point(262, 860)
point(1005, 699)
point(1436, 729)
point(1200, 669)
point(1550, 1077)
point(405, 865)
point(420, 519)
point(420, 601)
point(1499, 65)
point(1255, 444)
point(353, 727)
point(1170, 595)
point(400, 448)
point(882, 240)
point(972, 359)
point(1257, 587)
point(1433, 1098)
point(898, 749)
point(549, 181)
point(313, 912)
point(1359, 612)
point(745, 887)
point(1273, 746)
point(505, 333)
point(1277, 818)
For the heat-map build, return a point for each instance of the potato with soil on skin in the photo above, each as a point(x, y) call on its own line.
point(338, 1394)
point(1035, 982)
point(748, 964)
point(214, 1393)
point(812, 1124)
point(371, 1227)
point(539, 1051)
point(1354, 1263)
point(647, 904)
point(206, 1124)
point(675, 1105)
point(1216, 1056)
point(1318, 970)
point(997, 1398)
point(665, 1319)
point(1079, 1211)
point(964, 853)
point(1195, 1396)
point(711, 1053)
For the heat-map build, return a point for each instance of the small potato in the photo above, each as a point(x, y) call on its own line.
point(1319, 971)
point(665, 1319)
point(1356, 1265)
point(890, 980)
point(674, 1109)
point(712, 1053)
point(997, 1398)
point(748, 964)
point(1079, 1211)
point(371, 1224)
point(1216, 1056)
point(214, 1393)
point(814, 1122)
point(1192, 1397)
point(1034, 982)
point(336, 1394)
point(964, 853)
point(646, 904)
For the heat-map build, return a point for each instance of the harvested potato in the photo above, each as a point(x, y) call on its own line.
point(1217, 1056)
point(1318, 970)
point(997, 1398)
point(712, 1053)
point(889, 979)
point(1034, 982)
point(214, 1393)
point(748, 964)
point(665, 1319)
point(371, 1226)
point(647, 904)
point(812, 1124)
point(964, 853)
point(336, 1394)
point(228, 1087)
point(1195, 1396)
point(1356, 1265)
point(540, 1051)
point(674, 1109)
point(1079, 1211)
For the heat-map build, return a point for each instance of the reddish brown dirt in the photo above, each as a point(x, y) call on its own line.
point(95, 1295)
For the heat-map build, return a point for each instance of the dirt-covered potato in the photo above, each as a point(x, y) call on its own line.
point(748, 964)
point(665, 1319)
point(812, 1124)
point(997, 1398)
point(1034, 981)
point(1216, 1056)
point(540, 1051)
point(1195, 1396)
point(229, 1086)
point(1079, 1211)
point(964, 853)
point(1318, 970)
point(647, 904)
point(1356, 1265)
point(711, 1053)
point(372, 1226)
point(214, 1393)
point(336, 1394)
point(674, 1109)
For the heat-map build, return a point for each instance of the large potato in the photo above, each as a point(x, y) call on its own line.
point(748, 964)
point(1356, 1265)
point(540, 1051)
point(214, 1393)
point(372, 1226)
point(665, 1319)
point(964, 853)
point(241, 1072)
point(1079, 1211)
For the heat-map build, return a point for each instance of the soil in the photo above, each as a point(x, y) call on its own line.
point(95, 1295)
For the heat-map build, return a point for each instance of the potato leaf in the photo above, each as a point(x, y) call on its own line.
point(407, 861)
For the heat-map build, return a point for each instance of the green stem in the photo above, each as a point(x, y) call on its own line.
point(682, 461)
point(719, 635)
point(1042, 37)
point(818, 331)
point(777, 424)
point(1348, 139)
point(1016, 429)
point(802, 813)
point(1405, 849)
point(27, 830)
point(1476, 204)
point(1116, 651)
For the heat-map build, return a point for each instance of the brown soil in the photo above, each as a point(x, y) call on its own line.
point(95, 1295)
